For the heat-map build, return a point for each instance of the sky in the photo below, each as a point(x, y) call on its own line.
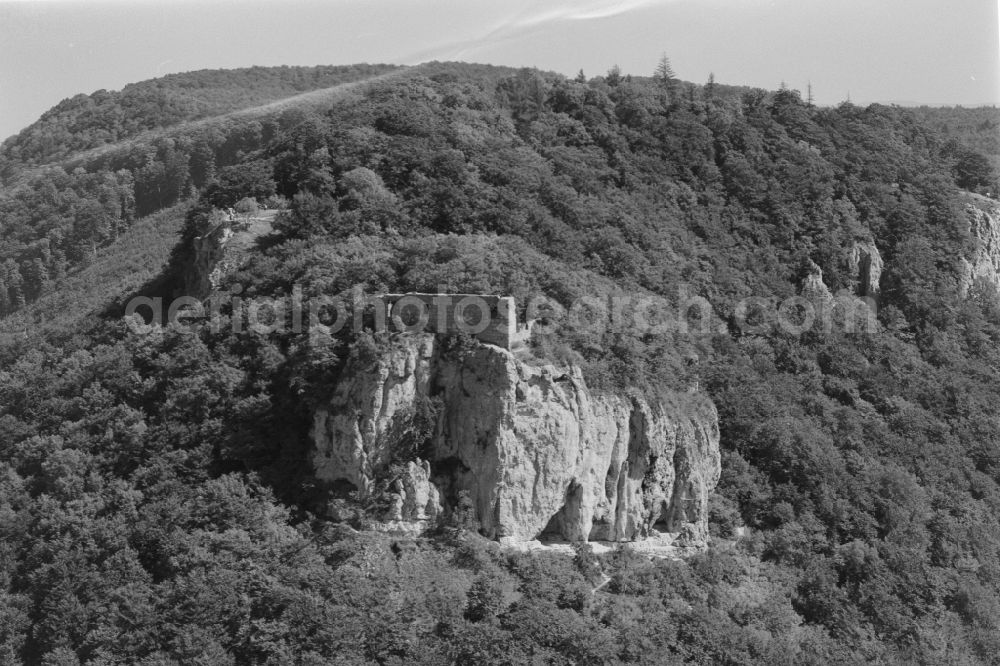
point(901, 51)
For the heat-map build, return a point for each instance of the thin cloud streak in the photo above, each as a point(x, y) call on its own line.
point(529, 20)
point(589, 11)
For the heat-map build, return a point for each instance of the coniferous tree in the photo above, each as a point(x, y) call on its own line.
point(665, 79)
point(665, 72)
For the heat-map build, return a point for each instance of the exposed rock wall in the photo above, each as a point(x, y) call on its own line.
point(814, 288)
point(352, 435)
point(537, 452)
point(222, 250)
point(864, 271)
point(984, 227)
point(865, 265)
point(206, 266)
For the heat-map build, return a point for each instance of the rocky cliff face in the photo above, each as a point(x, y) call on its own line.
point(863, 270)
point(206, 266)
point(814, 288)
point(537, 452)
point(865, 265)
point(222, 250)
point(984, 227)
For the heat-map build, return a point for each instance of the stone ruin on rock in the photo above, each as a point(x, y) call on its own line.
point(523, 449)
point(487, 318)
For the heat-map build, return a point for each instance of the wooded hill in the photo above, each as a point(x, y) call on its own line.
point(158, 507)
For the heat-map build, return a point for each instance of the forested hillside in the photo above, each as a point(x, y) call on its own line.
point(103, 117)
point(55, 217)
point(971, 133)
point(157, 501)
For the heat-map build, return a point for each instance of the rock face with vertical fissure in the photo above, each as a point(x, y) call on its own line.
point(865, 267)
point(983, 265)
point(535, 449)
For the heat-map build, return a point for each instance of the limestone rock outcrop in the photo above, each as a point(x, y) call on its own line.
point(206, 266)
point(222, 249)
point(865, 266)
point(352, 435)
point(413, 499)
point(984, 227)
point(536, 451)
point(814, 288)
